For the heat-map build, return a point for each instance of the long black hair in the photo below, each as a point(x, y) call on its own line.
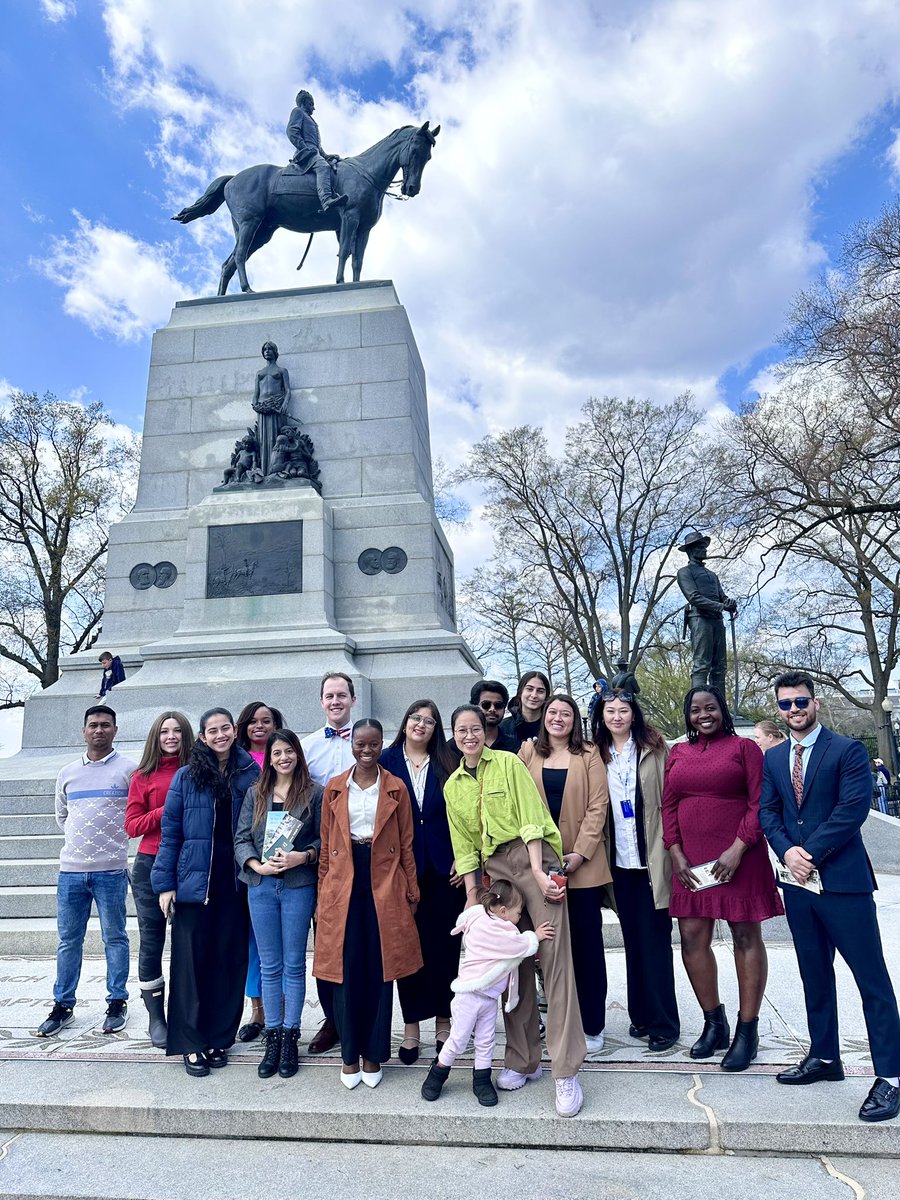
point(693, 734)
point(439, 753)
point(203, 764)
point(645, 737)
point(301, 788)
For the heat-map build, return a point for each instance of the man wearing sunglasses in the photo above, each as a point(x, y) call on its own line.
point(492, 698)
point(816, 793)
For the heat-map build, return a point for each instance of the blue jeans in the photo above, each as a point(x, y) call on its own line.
point(75, 892)
point(281, 918)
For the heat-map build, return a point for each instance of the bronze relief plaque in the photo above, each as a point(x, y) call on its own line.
point(263, 559)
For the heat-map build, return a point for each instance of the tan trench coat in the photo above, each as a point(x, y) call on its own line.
point(395, 888)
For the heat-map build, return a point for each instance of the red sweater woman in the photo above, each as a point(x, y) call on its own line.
point(167, 748)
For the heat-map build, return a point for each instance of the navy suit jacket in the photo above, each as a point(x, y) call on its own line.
point(431, 833)
point(837, 794)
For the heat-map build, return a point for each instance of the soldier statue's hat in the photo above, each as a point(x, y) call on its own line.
point(693, 539)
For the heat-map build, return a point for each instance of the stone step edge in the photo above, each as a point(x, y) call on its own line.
point(622, 1111)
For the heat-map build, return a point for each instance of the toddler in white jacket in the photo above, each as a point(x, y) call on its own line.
point(493, 948)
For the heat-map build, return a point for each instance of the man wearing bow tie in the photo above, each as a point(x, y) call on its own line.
point(816, 794)
point(328, 753)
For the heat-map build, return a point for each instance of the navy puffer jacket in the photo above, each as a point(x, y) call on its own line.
point(185, 850)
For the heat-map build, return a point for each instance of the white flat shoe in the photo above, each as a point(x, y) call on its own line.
point(372, 1078)
point(351, 1081)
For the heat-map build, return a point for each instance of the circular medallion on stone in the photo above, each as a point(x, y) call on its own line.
point(166, 574)
point(369, 562)
point(393, 560)
point(142, 576)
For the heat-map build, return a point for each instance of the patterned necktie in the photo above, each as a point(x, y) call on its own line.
point(344, 733)
point(797, 774)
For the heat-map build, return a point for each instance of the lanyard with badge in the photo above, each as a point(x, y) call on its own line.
point(624, 778)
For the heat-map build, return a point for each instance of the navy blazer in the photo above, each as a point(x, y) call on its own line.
point(837, 794)
point(431, 833)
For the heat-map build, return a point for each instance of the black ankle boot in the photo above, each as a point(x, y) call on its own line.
point(483, 1087)
point(288, 1065)
point(272, 1055)
point(744, 1047)
point(434, 1081)
point(155, 1003)
point(715, 1036)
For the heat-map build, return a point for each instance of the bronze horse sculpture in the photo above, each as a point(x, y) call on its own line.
point(259, 203)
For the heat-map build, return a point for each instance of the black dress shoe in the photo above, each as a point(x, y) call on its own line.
point(660, 1043)
point(813, 1070)
point(637, 1031)
point(250, 1032)
point(409, 1054)
point(196, 1064)
point(882, 1102)
point(326, 1039)
point(217, 1058)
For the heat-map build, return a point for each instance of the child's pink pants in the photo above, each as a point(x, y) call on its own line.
point(472, 1012)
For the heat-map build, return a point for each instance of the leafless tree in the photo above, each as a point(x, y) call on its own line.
point(63, 479)
point(600, 523)
point(801, 478)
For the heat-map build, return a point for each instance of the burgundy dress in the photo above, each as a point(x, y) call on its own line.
point(710, 797)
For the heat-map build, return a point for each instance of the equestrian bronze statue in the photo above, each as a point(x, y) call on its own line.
point(301, 197)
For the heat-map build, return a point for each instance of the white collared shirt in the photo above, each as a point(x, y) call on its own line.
point(327, 757)
point(621, 774)
point(362, 804)
point(418, 780)
point(807, 743)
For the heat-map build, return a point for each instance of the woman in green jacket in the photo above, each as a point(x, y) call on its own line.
point(499, 822)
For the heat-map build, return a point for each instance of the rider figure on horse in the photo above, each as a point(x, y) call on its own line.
point(303, 133)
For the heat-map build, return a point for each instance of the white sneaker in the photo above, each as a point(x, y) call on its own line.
point(569, 1096)
point(511, 1081)
point(594, 1044)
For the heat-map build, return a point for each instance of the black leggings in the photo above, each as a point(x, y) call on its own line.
point(151, 922)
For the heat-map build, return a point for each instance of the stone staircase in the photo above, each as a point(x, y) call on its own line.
point(29, 862)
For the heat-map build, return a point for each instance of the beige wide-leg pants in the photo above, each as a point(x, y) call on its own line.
point(565, 1035)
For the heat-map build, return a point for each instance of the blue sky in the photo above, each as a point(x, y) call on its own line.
point(624, 203)
point(624, 198)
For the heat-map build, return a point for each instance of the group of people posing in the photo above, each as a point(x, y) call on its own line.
point(506, 840)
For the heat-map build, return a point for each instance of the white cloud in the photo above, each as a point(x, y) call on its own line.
point(113, 282)
point(35, 217)
point(58, 10)
point(620, 200)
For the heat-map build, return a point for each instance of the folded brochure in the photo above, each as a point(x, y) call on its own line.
point(281, 829)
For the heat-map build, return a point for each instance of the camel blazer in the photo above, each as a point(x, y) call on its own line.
point(394, 886)
point(582, 818)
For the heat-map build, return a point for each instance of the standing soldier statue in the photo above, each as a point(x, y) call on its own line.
point(706, 602)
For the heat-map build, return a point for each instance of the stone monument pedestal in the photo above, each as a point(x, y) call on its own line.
point(227, 596)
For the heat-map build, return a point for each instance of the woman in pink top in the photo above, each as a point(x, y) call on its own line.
point(168, 747)
point(256, 722)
